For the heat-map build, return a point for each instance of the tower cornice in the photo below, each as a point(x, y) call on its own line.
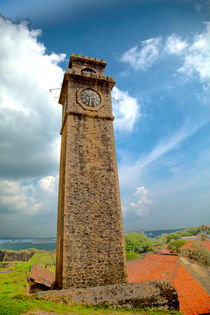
point(90, 79)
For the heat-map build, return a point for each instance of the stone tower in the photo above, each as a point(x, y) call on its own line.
point(90, 240)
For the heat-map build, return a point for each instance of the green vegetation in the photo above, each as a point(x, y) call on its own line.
point(202, 230)
point(47, 260)
point(174, 246)
point(198, 252)
point(14, 299)
point(137, 243)
point(132, 255)
point(172, 236)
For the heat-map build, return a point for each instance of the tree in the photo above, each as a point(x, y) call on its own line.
point(174, 246)
point(171, 236)
point(138, 243)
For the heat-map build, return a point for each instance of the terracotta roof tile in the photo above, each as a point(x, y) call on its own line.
point(163, 251)
point(193, 298)
point(152, 267)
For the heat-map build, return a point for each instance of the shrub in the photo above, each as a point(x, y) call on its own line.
point(138, 243)
point(172, 236)
point(174, 246)
point(198, 252)
point(131, 255)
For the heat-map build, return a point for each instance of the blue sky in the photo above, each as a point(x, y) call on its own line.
point(158, 53)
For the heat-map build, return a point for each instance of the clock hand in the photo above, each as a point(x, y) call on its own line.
point(90, 102)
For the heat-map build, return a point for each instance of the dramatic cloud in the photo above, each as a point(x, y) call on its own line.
point(29, 117)
point(144, 56)
point(126, 110)
point(28, 208)
point(193, 53)
point(29, 197)
point(29, 129)
point(30, 121)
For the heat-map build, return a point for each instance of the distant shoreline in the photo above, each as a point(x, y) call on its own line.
point(49, 243)
point(21, 244)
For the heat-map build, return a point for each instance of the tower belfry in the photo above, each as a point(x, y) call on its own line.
point(90, 239)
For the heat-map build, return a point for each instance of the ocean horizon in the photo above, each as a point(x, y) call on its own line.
point(49, 243)
point(26, 243)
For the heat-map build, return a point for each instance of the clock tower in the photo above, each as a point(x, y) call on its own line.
point(90, 239)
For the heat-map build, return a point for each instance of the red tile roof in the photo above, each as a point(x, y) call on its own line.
point(152, 267)
point(163, 251)
point(192, 297)
point(188, 244)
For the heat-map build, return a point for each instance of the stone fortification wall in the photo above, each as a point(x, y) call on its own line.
point(15, 255)
point(160, 294)
point(2, 254)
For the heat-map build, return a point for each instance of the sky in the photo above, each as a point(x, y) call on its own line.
point(158, 52)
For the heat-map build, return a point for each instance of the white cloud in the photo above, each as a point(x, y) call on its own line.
point(141, 202)
point(193, 53)
point(126, 110)
point(29, 197)
point(48, 183)
point(196, 59)
point(174, 45)
point(143, 57)
point(15, 197)
point(29, 116)
point(30, 121)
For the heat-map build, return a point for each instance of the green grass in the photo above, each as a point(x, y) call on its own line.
point(15, 301)
point(26, 265)
point(20, 305)
point(46, 258)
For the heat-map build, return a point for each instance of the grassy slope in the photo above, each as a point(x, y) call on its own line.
point(14, 300)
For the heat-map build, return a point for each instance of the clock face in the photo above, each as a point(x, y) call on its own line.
point(90, 98)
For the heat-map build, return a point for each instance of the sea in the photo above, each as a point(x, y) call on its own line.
point(50, 243)
point(25, 243)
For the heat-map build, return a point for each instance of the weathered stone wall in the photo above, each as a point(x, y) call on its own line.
point(90, 241)
point(2, 254)
point(15, 255)
point(4, 264)
point(160, 294)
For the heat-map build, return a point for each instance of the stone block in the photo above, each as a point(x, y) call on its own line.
point(157, 294)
